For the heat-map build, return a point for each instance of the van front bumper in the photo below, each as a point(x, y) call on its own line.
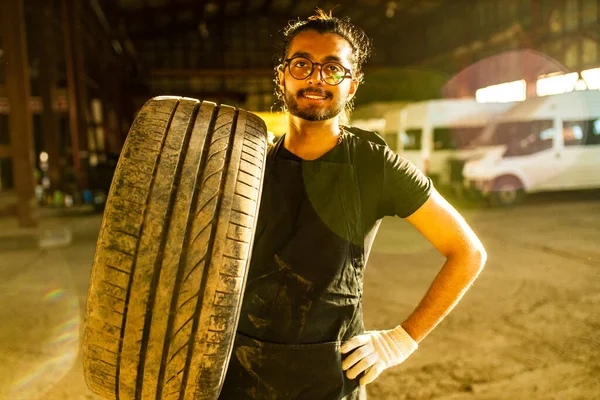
point(483, 186)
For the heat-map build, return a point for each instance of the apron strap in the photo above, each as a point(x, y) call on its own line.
point(357, 251)
point(349, 160)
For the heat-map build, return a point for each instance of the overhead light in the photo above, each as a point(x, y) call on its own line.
point(117, 47)
point(503, 92)
point(556, 83)
point(580, 85)
point(203, 29)
point(390, 11)
point(591, 78)
point(211, 8)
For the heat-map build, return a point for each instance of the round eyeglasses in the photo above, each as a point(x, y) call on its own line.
point(331, 72)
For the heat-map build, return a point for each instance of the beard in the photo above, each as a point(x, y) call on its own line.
point(313, 112)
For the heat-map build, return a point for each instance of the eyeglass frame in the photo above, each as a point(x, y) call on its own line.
point(312, 70)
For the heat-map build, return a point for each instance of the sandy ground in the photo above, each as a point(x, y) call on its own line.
point(526, 330)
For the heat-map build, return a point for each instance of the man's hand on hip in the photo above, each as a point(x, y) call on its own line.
point(376, 351)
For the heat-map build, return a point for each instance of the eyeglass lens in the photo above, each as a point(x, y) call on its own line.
point(331, 72)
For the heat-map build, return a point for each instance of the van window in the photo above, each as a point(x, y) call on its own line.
point(573, 133)
point(593, 136)
point(522, 138)
point(411, 139)
point(577, 133)
point(455, 137)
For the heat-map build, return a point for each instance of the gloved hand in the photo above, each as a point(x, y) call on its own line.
point(375, 352)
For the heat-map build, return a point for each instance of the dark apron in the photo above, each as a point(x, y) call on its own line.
point(303, 293)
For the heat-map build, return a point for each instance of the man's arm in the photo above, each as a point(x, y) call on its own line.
point(444, 227)
point(465, 256)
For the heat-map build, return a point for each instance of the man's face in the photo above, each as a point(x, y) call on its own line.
point(312, 99)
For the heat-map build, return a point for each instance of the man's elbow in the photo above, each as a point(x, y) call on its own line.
point(480, 256)
point(477, 257)
point(472, 255)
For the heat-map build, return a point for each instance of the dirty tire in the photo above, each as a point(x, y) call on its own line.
point(171, 259)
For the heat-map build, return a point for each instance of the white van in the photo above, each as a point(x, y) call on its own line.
point(370, 117)
point(542, 144)
point(370, 124)
point(430, 132)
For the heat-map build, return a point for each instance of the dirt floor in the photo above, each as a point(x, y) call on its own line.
point(528, 329)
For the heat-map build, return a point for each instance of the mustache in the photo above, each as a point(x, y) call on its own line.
point(314, 91)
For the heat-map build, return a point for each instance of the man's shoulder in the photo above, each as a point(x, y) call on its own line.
point(368, 150)
point(365, 137)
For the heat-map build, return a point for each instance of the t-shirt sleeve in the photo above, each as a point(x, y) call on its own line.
point(405, 188)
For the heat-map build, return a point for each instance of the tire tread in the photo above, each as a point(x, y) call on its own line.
point(160, 315)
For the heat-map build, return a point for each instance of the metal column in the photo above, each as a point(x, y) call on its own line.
point(77, 88)
point(12, 28)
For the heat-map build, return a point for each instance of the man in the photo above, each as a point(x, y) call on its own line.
point(325, 191)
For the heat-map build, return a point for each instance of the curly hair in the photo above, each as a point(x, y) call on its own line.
point(323, 22)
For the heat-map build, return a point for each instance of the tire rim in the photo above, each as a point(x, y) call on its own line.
point(507, 193)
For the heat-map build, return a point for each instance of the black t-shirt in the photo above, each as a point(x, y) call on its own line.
point(389, 185)
point(299, 288)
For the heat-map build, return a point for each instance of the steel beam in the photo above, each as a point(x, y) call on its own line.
point(213, 73)
point(47, 42)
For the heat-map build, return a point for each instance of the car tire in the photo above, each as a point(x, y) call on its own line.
point(506, 191)
point(172, 253)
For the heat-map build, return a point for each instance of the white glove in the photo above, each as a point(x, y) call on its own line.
point(375, 352)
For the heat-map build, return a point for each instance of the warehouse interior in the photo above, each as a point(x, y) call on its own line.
point(85, 67)
point(75, 73)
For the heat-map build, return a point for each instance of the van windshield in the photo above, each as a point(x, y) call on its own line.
point(521, 138)
point(454, 138)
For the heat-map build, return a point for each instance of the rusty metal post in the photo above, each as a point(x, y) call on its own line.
point(77, 88)
point(48, 82)
point(12, 29)
point(530, 74)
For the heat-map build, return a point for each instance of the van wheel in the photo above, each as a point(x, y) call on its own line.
point(174, 245)
point(507, 191)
